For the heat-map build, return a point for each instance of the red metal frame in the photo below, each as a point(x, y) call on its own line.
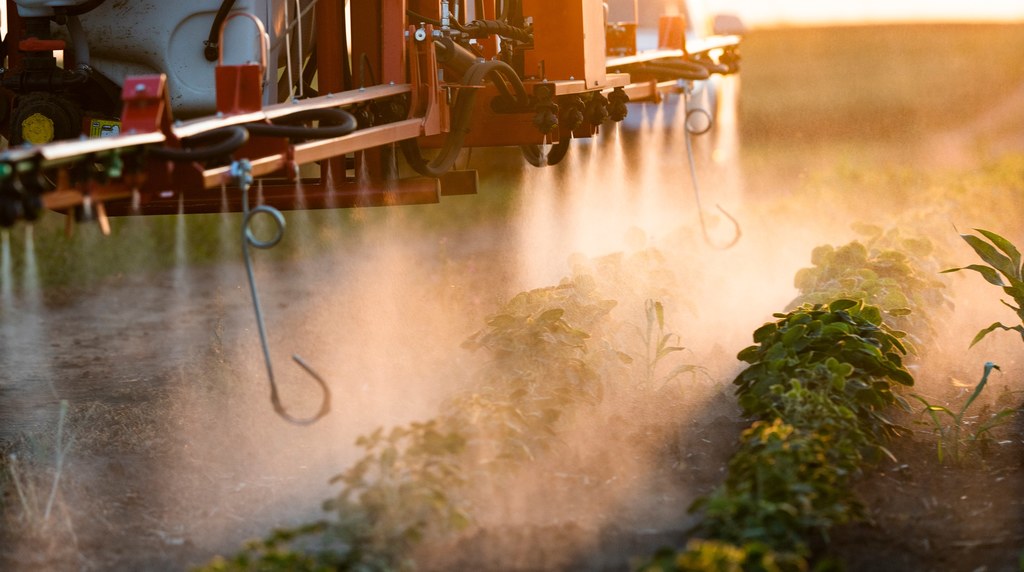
point(372, 55)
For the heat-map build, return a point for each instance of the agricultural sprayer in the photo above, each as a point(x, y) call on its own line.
point(137, 107)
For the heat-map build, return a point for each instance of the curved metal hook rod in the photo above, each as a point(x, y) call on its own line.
point(241, 171)
point(737, 230)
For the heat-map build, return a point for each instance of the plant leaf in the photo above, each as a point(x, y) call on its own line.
point(990, 274)
point(993, 257)
point(1007, 247)
point(981, 334)
point(842, 304)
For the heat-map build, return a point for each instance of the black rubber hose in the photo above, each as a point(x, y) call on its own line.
point(212, 44)
point(461, 113)
point(484, 28)
point(460, 59)
point(680, 70)
point(333, 123)
point(229, 140)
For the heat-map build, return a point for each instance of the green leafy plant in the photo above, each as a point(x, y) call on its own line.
point(659, 345)
point(790, 478)
point(958, 431)
point(540, 369)
point(546, 354)
point(1003, 269)
point(818, 382)
point(717, 556)
point(276, 552)
point(843, 348)
point(886, 269)
point(403, 489)
point(30, 489)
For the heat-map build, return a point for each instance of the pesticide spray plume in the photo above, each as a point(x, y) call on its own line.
point(380, 301)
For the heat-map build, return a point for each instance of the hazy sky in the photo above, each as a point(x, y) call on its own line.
point(771, 12)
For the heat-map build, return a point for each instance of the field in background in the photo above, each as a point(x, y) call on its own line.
point(875, 84)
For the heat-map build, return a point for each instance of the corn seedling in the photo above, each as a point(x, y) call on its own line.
point(659, 345)
point(37, 514)
point(1003, 270)
point(958, 431)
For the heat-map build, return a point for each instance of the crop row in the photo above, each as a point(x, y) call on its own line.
point(820, 383)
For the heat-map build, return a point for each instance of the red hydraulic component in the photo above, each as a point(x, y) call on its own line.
point(240, 86)
point(620, 38)
point(568, 41)
point(672, 33)
point(37, 45)
point(147, 105)
point(400, 78)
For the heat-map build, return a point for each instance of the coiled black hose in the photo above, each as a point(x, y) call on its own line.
point(678, 69)
point(227, 141)
point(334, 122)
point(463, 110)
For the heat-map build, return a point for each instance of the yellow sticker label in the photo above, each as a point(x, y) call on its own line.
point(104, 128)
point(37, 129)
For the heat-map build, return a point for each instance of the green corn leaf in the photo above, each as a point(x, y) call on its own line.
point(990, 274)
point(1007, 247)
point(995, 421)
point(932, 409)
point(989, 366)
point(998, 325)
point(993, 257)
point(1009, 305)
point(677, 371)
point(662, 352)
point(887, 453)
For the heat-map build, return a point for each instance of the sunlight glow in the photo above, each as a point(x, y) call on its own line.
point(761, 13)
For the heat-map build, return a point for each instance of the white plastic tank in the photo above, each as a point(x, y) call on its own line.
point(31, 8)
point(140, 37)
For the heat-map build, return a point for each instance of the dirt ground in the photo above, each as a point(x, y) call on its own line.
point(175, 454)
